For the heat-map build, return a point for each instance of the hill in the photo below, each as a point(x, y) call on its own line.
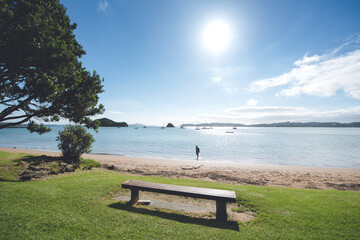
point(105, 122)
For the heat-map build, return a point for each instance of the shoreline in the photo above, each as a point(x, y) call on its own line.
point(225, 172)
point(157, 158)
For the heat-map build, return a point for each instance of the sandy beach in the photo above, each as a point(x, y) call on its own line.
point(224, 172)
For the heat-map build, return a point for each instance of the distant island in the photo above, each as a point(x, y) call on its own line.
point(281, 124)
point(170, 125)
point(105, 122)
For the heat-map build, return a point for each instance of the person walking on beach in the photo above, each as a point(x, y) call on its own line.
point(197, 153)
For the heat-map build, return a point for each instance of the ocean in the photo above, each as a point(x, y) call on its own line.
point(320, 147)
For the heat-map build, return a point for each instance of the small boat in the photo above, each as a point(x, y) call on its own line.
point(162, 127)
point(234, 128)
point(229, 132)
point(197, 128)
point(182, 127)
point(136, 128)
point(144, 126)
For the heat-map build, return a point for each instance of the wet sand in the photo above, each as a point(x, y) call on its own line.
point(224, 172)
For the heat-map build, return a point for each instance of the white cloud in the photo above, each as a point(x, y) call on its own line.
point(307, 60)
point(216, 79)
point(103, 5)
point(253, 115)
point(261, 85)
point(252, 102)
point(319, 75)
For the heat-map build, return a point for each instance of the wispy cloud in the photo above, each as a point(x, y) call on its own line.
point(251, 115)
point(226, 78)
point(320, 75)
point(252, 102)
point(103, 5)
point(307, 60)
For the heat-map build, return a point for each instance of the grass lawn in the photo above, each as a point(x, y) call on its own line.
point(79, 205)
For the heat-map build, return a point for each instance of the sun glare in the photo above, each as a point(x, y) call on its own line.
point(216, 36)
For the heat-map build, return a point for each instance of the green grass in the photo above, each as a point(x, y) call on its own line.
point(78, 206)
point(7, 158)
point(89, 163)
point(8, 169)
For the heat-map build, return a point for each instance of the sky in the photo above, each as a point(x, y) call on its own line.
point(203, 61)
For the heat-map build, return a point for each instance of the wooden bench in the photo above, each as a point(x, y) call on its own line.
point(220, 196)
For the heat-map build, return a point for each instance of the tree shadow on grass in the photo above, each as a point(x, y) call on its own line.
point(231, 225)
point(37, 160)
point(32, 167)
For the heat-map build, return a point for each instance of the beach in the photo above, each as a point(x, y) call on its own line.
point(225, 172)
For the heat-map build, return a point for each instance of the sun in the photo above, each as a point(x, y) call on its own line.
point(216, 36)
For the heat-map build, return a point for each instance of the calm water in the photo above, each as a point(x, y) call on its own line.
point(324, 147)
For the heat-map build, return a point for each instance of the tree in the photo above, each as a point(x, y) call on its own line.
point(73, 142)
point(41, 76)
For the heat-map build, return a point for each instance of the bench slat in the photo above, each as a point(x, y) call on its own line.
point(205, 193)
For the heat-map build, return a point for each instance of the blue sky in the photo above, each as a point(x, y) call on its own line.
point(283, 61)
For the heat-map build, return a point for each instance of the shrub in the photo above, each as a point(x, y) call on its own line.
point(74, 141)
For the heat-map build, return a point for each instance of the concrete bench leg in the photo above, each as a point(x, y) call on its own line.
point(134, 196)
point(221, 214)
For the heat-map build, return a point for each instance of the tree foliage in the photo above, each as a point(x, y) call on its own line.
point(73, 142)
point(41, 76)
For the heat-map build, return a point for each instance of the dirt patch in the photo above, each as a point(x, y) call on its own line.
point(38, 167)
point(344, 186)
point(41, 167)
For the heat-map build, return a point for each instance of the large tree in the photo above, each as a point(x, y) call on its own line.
point(41, 76)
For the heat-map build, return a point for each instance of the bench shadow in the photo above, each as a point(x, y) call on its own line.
point(231, 225)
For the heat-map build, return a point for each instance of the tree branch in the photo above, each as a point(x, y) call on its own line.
point(12, 109)
point(9, 100)
point(16, 117)
point(6, 125)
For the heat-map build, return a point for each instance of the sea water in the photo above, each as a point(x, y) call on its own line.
point(322, 147)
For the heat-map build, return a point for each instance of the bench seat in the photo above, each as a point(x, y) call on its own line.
point(220, 196)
